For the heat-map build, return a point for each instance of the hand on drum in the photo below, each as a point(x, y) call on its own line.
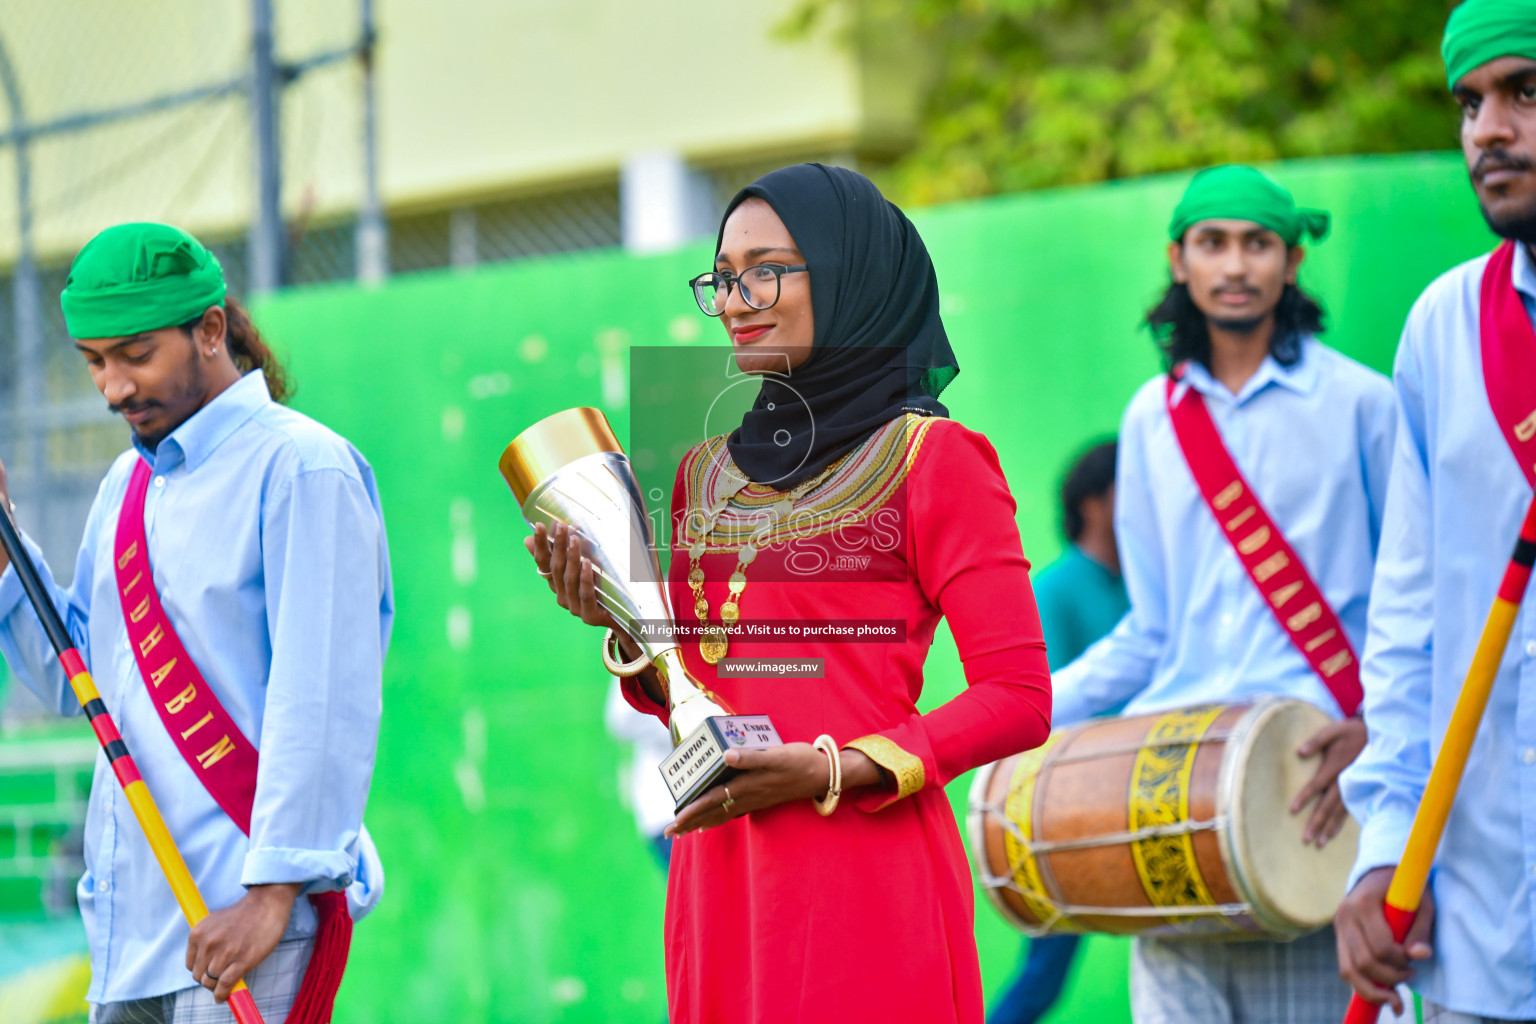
point(1339, 743)
point(1369, 959)
point(795, 771)
point(557, 554)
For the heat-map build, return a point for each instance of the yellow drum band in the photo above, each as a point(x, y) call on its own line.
point(1019, 808)
point(1159, 795)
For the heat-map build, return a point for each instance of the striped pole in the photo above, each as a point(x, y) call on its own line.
point(1408, 880)
point(160, 841)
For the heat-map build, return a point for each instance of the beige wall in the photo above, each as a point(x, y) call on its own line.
point(477, 98)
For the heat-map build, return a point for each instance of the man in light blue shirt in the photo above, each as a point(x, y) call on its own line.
point(1311, 432)
point(268, 551)
point(1453, 512)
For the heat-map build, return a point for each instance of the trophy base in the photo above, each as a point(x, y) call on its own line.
point(699, 760)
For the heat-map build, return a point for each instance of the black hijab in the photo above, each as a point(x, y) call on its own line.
point(879, 347)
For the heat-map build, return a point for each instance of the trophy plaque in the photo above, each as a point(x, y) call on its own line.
point(699, 761)
point(569, 468)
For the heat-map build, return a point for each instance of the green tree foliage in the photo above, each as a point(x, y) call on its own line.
point(1029, 93)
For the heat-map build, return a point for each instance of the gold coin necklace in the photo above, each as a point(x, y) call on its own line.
point(714, 641)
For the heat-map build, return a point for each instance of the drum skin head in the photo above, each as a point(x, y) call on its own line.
point(1291, 887)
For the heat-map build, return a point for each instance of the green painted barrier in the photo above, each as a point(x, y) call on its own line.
point(517, 888)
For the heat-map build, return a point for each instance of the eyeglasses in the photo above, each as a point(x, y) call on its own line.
point(759, 286)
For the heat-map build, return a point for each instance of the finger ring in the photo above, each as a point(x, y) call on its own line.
point(726, 804)
point(211, 975)
point(541, 572)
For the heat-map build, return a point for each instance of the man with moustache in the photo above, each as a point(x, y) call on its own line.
point(232, 590)
point(1248, 495)
point(1462, 474)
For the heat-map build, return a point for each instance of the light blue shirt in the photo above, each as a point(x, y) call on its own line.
point(269, 556)
point(1453, 512)
point(1314, 441)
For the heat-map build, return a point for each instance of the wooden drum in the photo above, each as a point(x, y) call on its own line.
point(1173, 824)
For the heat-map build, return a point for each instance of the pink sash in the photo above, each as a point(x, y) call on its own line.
point(1297, 603)
point(223, 760)
point(1509, 358)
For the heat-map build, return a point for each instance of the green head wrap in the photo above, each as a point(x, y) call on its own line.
point(1236, 192)
point(139, 277)
point(1483, 30)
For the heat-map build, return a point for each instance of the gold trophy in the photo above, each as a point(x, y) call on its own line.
point(569, 468)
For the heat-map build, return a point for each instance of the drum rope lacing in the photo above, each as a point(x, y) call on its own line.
point(1060, 911)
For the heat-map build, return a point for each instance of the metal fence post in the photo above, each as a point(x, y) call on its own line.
point(266, 242)
point(30, 430)
point(372, 234)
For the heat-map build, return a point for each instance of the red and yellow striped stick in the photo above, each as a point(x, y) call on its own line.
point(160, 841)
point(1408, 880)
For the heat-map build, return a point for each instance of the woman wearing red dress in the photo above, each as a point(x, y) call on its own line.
point(845, 496)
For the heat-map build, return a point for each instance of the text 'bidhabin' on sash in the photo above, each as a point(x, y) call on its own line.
point(851, 631)
point(210, 742)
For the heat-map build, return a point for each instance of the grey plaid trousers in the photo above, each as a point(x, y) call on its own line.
point(274, 983)
point(1200, 982)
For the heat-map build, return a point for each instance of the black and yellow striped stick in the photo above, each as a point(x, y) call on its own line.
point(160, 841)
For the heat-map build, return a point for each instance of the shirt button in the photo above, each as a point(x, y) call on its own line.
point(1530, 649)
point(159, 481)
point(102, 886)
point(1529, 757)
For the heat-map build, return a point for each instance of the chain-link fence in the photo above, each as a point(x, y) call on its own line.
point(248, 120)
point(108, 115)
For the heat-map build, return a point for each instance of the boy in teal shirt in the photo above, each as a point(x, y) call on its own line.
point(1081, 597)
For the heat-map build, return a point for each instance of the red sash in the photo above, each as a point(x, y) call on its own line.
point(1297, 603)
point(1509, 358)
point(223, 760)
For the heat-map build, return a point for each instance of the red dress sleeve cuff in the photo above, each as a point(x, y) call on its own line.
point(902, 751)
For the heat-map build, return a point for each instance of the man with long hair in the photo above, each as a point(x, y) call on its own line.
point(232, 591)
point(1248, 497)
point(1462, 473)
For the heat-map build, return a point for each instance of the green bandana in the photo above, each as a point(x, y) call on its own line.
point(1236, 192)
point(1483, 30)
point(139, 277)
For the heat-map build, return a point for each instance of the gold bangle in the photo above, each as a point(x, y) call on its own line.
point(825, 805)
point(612, 655)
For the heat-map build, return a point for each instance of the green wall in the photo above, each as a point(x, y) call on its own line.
point(517, 889)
